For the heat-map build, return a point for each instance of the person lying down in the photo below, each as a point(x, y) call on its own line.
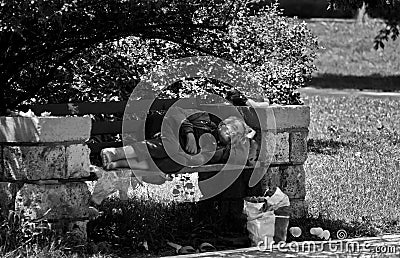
point(202, 138)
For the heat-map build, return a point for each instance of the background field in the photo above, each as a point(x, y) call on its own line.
point(354, 162)
point(347, 58)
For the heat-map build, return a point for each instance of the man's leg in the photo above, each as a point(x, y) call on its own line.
point(109, 155)
point(128, 163)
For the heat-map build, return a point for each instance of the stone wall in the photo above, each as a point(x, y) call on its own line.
point(42, 163)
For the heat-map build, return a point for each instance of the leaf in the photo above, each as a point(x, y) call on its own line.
point(189, 186)
point(176, 192)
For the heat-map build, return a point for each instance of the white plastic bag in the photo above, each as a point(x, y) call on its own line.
point(277, 200)
point(262, 228)
point(262, 223)
point(110, 182)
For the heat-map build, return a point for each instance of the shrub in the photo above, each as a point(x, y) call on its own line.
point(278, 51)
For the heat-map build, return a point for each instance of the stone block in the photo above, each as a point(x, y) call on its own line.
point(268, 118)
point(277, 117)
point(293, 181)
point(77, 159)
point(46, 162)
point(298, 208)
point(271, 179)
point(54, 202)
point(292, 116)
point(44, 129)
point(34, 162)
point(298, 147)
point(274, 148)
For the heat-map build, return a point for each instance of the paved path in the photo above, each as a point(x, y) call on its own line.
point(384, 246)
point(309, 91)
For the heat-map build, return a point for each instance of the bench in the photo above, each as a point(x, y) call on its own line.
point(107, 124)
point(107, 128)
point(44, 161)
point(286, 125)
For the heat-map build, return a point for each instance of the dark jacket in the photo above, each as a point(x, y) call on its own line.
point(177, 124)
point(199, 123)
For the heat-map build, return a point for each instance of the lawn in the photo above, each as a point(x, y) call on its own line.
point(347, 58)
point(353, 169)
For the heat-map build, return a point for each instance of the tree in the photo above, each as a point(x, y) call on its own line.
point(388, 10)
point(38, 36)
point(65, 50)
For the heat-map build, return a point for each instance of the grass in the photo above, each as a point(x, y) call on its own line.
point(347, 58)
point(355, 149)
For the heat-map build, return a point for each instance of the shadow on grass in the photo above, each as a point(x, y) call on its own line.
point(373, 82)
point(327, 147)
point(126, 225)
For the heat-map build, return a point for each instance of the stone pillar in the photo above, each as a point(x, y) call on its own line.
point(282, 135)
point(42, 163)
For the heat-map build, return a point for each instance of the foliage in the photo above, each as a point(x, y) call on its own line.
point(388, 10)
point(81, 50)
point(38, 37)
point(21, 236)
point(126, 226)
point(17, 233)
point(276, 50)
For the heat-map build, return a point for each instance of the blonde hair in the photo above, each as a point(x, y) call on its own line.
point(240, 133)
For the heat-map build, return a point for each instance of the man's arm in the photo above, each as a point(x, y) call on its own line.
point(238, 99)
point(184, 118)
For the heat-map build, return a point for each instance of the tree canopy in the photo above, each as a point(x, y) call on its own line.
point(55, 47)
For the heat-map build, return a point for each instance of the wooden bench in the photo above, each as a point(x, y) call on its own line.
point(107, 128)
point(285, 170)
point(107, 124)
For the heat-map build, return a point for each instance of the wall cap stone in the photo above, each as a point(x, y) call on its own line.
point(44, 129)
point(274, 117)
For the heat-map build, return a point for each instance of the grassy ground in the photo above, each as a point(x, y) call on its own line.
point(347, 58)
point(354, 150)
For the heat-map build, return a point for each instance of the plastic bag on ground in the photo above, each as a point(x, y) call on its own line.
point(111, 181)
point(267, 217)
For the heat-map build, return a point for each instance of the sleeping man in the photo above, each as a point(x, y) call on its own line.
point(201, 138)
point(190, 138)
